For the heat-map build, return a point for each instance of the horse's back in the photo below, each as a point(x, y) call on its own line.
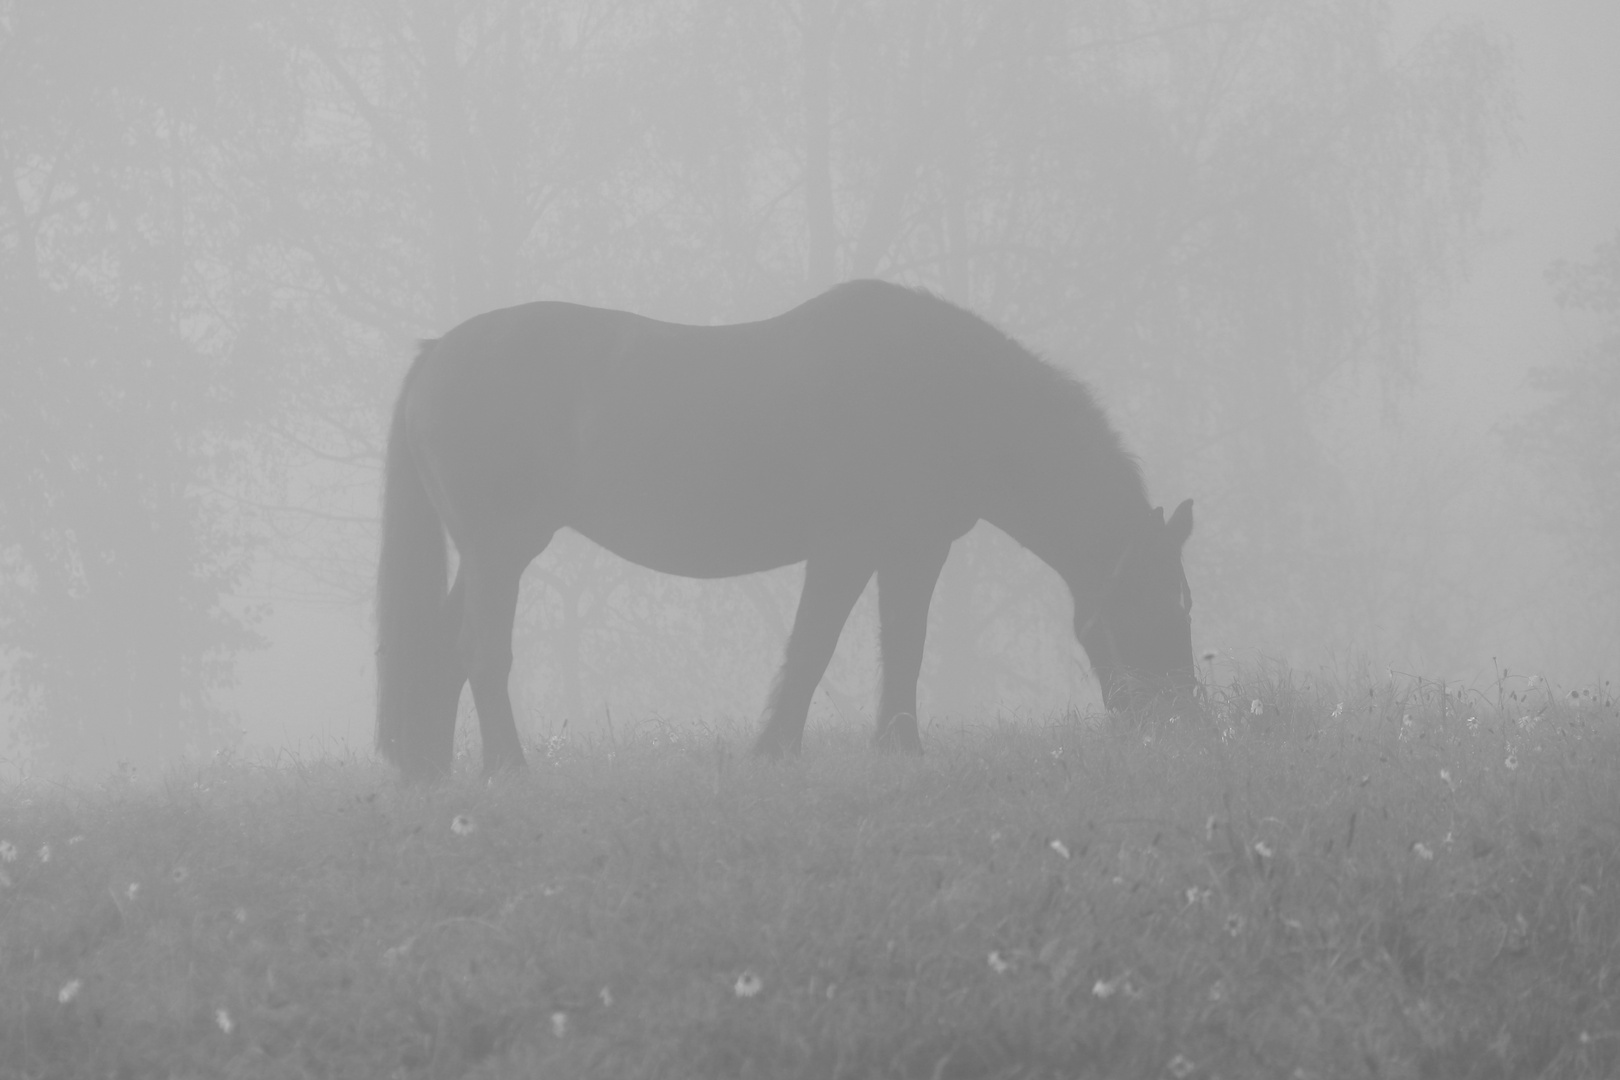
point(855, 404)
point(713, 450)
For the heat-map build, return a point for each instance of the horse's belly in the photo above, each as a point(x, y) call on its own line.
point(685, 488)
point(716, 476)
point(700, 545)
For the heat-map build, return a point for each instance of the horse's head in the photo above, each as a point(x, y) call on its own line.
point(1139, 636)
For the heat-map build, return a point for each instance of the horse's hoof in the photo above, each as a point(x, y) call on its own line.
point(908, 747)
point(899, 736)
point(774, 749)
point(422, 774)
point(504, 768)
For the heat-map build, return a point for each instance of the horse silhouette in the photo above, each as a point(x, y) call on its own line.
point(861, 432)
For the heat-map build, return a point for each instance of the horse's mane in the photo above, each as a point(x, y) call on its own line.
point(1048, 393)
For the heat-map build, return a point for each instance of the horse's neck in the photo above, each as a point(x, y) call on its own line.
point(1076, 529)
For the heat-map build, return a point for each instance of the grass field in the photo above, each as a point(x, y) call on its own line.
point(1379, 880)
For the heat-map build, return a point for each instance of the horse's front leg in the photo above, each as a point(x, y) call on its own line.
point(906, 582)
point(832, 584)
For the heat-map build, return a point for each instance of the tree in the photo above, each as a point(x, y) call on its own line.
point(119, 407)
point(1572, 442)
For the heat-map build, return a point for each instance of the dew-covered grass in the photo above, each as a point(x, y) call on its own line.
point(1383, 879)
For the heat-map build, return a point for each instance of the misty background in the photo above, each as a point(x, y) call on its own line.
point(1347, 273)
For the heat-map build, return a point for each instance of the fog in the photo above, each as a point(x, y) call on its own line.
point(1345, 276)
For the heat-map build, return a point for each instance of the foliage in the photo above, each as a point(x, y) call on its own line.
point(115, 564)
point(122, 396)
point(1573, 440)
point(1387, 877)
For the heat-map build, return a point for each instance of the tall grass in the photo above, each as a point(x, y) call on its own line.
point(1382, 879)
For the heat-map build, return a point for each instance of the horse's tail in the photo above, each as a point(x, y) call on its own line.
point(413, 635)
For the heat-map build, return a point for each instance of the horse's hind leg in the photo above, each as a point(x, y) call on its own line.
point(448, 678)
point(485, 648)
point(905, 586)
point(832, 584)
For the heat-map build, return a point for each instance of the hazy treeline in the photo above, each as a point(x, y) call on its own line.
point(224, 224)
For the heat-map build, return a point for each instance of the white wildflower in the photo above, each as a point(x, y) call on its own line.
point(748, 985)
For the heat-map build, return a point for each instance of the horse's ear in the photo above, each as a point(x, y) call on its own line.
point(1180, 523)
point(1159, 510)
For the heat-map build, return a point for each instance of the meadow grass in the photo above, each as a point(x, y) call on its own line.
point(1378, 880)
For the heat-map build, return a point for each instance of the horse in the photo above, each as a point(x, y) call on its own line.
point(859, 433)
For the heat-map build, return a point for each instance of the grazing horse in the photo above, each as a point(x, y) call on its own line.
point(861, 432)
